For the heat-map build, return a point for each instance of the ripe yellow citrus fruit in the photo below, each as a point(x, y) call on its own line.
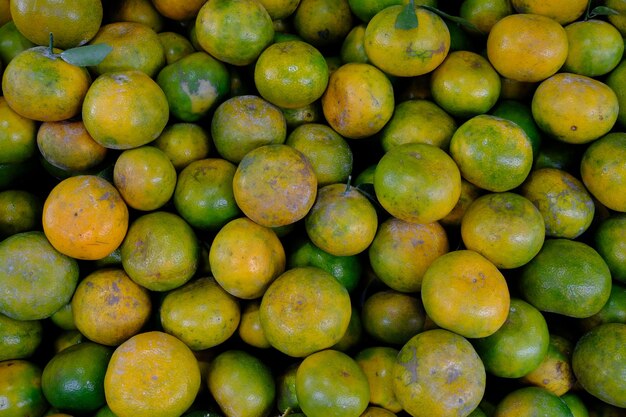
point(109, 308)
point(140, 11)
point(20, 388)
point(85, 217)
point(438, 373)
point(235, 32)
point(358, 101)
point(493, 153)
point(563, 11)
point(554, 373)
point(603, 170)
point(200, 313)
point(178, 11)
point(280, 9)
point(20, 338)
point(184, 143)
point(330, 382)
point(39, 85)
point(250, 330)
point(293, 313)
point(377, 363)
point(417, 182)
point(406, 52)
point(275, 185)
point(402, 251)
point(17, 135)
point(125, 109)
point(527, 47)
point(445, 288)
point(291, 74)
point(160, 251)
point(246, 257)
point(152, 374)
point(469, 193)
point(574, 108)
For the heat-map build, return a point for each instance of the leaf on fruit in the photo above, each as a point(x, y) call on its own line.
point(407, 19)
point(87, 55)
point(601, 11)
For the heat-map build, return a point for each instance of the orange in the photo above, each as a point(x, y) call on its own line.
point(18, 135)
point(68, 338)
point(145, 177)
point(603, 170)
point(323, 23)
point(20, 211)
point(135, 46)
point(527, 47)
point(346, 269)
point(329, 153)
point(73, 379)
point(280, 9)
point(200, 313)
point(377, 363)
point(464, 292)
point(354, 334)
point(483, 14)
point(516, 90)
point(85, 217)
point(178, 11)
point(125, 109)
point(358, 101)
point(235, 32)
point(492, 153)
point(615, 80)
point(613, 311)
point(520, 112)
point(109, 308)
point(294, 311)
point(242, 384)
point(419, 121)
point(618, 19)
point(275, 185)
point(291, 74)
point(67, 145)
point(12, 42)
point(353, 47)
point(250, 330)
point(175, 46)
point(505, 228)
point(438, 373)
point(64, 318)
point(330, 382)
point(184, 143)
point(597, 363)
point(528, 401)
point(151, 374)
point(231, 121)
point(563, 11)
point(595, 47)
point(20, 338)
point(20, 389)
point(342, 221)
point(392, 317)
point(366, 9)
point(465, 84)
point(402, 251)
point(72, 23)
point(519, 345)
point(246, 257)
point(567, 277)
point(575, 404)
point(554, 373)
point(204, 193)
point(566, 206)
point(609, 241)
point(574, 108)
point(140, 11)
point(286, 399)
point(406, 52)
point(372, 411)
point(469, 193)
point(307, 114)
point(417, 182)
point(194, 85)
point(39, 85)
point(22, 281)
point(160, 251)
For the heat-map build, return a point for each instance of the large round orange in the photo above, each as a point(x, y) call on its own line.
point(527, 47)
point(358, 101)
point(563, 11)
point(85, 217)
point(406, 52)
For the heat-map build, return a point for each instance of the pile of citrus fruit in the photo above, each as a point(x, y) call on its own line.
point(322, 208)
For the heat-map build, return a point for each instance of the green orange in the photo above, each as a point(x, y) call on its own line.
point(595, 47)
point(17, 135)
point(528, 401)
point(610, 244)
point(20, 389)
point(20, 338)
point(20, 211)
point(323, 23)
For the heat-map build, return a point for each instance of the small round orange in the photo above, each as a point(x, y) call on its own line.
point(20, 338)
point(528, 401)
point(152, 374)
point(18, 135)
point(527, 47)
point(85, 217)
point(280, 9)
point(20, 211)
point(358, 101)
point(175, 10)
point(109, 308)
point(595, 47)
point(250, 329)
point(563, 11)
point(20, 385)
point(483, 14)
point(377, 363)
point(609, 240)
point(323, 23)
point(406, 52)
point(140, 11)
point(175, 46)
point(184, 143)
point(464, 292)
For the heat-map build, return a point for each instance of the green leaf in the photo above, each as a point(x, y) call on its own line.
point(407, 19)
point(601, 11)
point(87, 55)
point(455, 19)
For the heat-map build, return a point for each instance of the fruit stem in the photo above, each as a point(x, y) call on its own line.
point(348, 183)
point(51, 43)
